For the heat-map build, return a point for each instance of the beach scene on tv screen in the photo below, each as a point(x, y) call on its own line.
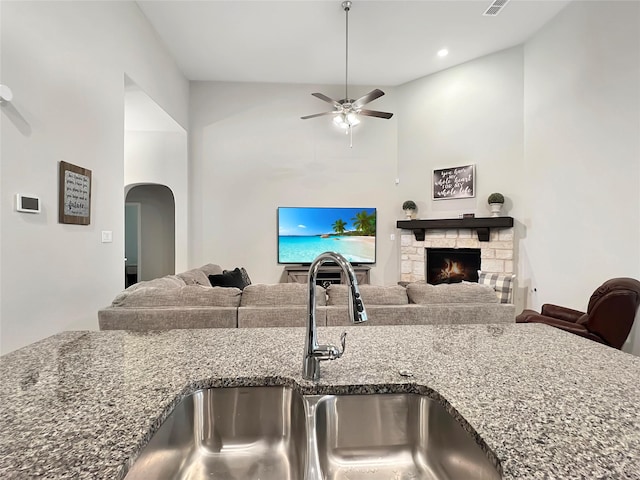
point(305, 233)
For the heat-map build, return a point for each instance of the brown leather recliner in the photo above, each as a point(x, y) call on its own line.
point(609, 318)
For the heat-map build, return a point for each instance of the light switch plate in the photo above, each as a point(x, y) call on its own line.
point(107, 236)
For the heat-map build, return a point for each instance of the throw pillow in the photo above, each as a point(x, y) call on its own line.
point(232, 278)
point(500, 282)
point(245, 275)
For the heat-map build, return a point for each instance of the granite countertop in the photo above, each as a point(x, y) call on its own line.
point(546, 403)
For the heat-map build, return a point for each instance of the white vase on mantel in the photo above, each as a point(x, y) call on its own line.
point(410, 213)
point(495, 209)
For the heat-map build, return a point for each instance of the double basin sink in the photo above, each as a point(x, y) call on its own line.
point(274, 433)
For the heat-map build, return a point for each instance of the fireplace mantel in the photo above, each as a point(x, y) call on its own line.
point(482, 225)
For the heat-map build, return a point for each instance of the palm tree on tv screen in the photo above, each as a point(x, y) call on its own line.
point(338, 226)
point(365, 223)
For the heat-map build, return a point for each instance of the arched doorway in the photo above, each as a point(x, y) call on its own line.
point(155, 155)
point(150, 247)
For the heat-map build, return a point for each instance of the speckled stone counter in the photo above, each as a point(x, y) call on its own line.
point(545, 403)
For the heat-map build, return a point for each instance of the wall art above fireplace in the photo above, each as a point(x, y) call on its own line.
point(454, 182)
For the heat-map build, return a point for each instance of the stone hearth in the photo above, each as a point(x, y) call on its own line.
point(496, 255)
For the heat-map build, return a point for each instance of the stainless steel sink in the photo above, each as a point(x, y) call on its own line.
point(394, 437)
point(274, 433)
point(229, 433)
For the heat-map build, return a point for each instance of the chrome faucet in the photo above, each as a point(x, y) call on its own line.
point(314, 353)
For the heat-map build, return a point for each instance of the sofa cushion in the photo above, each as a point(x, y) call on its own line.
point(371, 295)
point(167, 318)
point(501, 283)
point(228, 278)
point(283, 316)
point(188, 296)
point(168, 282)
point(463, 292)
point(195, 277)
point(278, 294)
point(434, 314)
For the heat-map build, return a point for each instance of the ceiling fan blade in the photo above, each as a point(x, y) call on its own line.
point(369, 97)
point(317, 115)
point(321, 96)
point(374, 113)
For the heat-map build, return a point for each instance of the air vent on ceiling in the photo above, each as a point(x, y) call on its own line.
point(495, 8)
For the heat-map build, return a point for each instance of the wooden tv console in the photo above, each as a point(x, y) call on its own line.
point(327, 273)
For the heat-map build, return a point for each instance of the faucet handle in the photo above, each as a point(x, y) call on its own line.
point(331, 352)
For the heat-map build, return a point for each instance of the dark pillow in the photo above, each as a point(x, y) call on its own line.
point(230, 278)
point(245, 275)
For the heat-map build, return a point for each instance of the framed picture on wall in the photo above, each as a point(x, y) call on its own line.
point(454, 182)
point(74, 194)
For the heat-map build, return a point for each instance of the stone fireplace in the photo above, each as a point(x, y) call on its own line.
point(496, 255)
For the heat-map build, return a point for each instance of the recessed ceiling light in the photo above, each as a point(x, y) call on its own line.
point(443, 53)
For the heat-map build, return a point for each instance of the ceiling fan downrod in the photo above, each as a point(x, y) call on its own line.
point(346, 6)
point(347, 110)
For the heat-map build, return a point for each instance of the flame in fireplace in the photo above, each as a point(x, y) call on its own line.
point(451, 269)
point(451, 265)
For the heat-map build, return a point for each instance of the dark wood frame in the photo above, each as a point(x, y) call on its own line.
point(63, 194)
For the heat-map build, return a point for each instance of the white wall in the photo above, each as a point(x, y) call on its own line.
point(66, 63)
point(250, 152)
point(582, 153)
point(161, 158)
point(469, 114)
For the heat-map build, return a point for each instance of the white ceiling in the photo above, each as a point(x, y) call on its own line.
point(303, 41)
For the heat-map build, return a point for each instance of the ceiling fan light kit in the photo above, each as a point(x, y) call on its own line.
point(347, 111)
point(346, 120)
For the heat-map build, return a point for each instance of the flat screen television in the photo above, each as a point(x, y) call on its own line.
point(306, 232)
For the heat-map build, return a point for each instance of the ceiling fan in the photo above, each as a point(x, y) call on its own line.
point(347, 110)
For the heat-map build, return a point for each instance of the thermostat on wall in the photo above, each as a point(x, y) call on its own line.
point(27, 203)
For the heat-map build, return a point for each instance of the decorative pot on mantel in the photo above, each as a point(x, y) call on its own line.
point(410, 213)
point(495, 201)
point(495, 209)
point(409, 208)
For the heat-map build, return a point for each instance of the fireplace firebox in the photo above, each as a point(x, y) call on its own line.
point(452, 265)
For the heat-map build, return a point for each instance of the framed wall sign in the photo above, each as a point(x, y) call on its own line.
point(74, 194)
point(454, 182)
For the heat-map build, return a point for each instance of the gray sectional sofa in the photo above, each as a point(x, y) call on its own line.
point(421, 303)
point(187, 300)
